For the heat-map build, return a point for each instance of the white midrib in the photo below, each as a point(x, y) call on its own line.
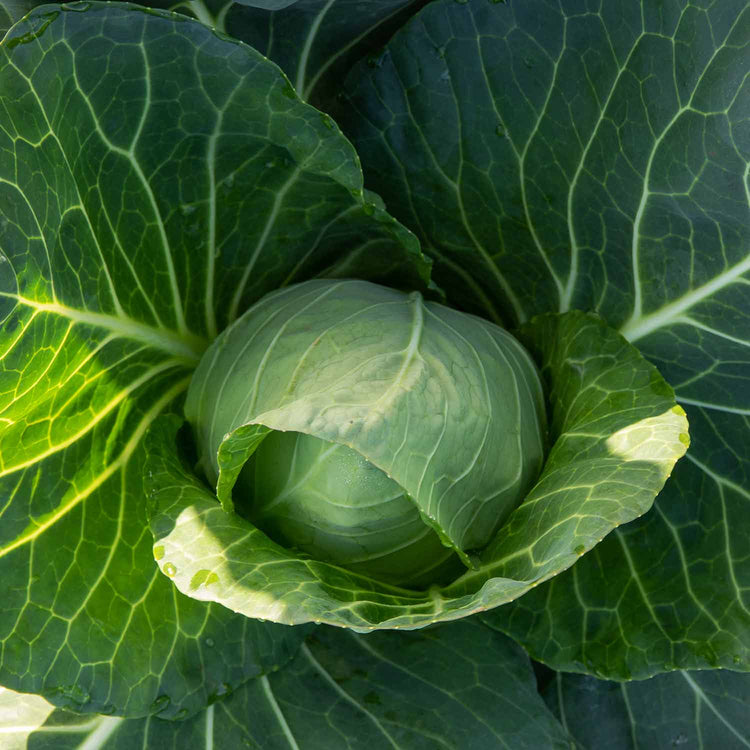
point(638, 327)
point(187, 348)
point(277, 712)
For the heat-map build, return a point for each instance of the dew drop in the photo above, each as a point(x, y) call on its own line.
point(170, 570)
point(580, 549)
point(210, 642)
point(187, 208)
point(158, 552)
point(500, 130)
point(328, 122)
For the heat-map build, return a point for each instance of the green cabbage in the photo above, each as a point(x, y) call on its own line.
point(405, 431)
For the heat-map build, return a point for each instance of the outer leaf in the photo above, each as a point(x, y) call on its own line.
point(137, 151)
point(616, 436)
point(458, 687)
point(556, 156)
point(682, 710)
point(315, 42)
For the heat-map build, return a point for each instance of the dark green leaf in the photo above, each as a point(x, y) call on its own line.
point(682, 710)
point(554, 156)
point(315, 42)
point(137, 152)
point(457, 687)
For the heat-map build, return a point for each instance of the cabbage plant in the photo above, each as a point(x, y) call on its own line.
point(374, 374)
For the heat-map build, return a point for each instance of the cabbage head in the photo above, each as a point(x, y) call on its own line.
point(389, 435)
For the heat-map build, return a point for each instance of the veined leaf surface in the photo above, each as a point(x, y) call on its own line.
point(457, 687)
point(137, 151)
point(554, 156)
point(680, 709)
point(315, 42)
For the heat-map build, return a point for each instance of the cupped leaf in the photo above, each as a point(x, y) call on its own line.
point(457, 686)
point(665, 592)
point(137, 151)
point(681, 709)
point(617, 434)
point(552, 158)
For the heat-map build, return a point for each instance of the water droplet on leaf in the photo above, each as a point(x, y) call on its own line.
point(170, 570)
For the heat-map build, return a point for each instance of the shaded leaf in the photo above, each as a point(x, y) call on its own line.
point(552, 157)
point(458, 687)
point(685, 710)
